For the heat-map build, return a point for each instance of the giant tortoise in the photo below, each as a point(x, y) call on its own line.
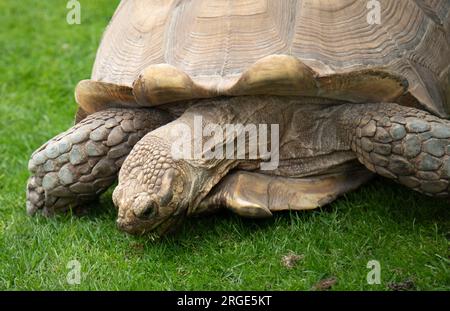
point(332, 97)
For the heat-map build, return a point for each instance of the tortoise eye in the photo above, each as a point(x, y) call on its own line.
point(150, 211)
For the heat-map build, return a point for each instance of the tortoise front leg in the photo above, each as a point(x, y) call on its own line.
point(78, 165)
point(407, 145)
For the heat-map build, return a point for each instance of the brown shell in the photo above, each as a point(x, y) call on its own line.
point(155, 52)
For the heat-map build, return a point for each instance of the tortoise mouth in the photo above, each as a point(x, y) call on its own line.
point(157, 226)
point(143, 212)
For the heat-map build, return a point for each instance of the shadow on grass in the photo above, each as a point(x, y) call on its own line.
point(382, 199)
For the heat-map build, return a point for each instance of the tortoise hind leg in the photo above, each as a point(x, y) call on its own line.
point(407, 145)
point(78, 165)
point(256, 195)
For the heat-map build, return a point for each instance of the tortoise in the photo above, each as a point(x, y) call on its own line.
point(343, 98)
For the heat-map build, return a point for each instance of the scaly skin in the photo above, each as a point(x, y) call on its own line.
point(155, 191)
point(78, 165)
point(147, 184)
point(405, 144)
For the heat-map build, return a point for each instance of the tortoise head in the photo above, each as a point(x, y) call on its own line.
point(152, 192)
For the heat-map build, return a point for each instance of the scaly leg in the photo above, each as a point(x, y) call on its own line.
point(407, 145)
point(81, 163)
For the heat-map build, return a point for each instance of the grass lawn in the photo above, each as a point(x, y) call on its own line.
point(41, 60)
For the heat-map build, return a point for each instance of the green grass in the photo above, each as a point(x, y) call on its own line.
point(41, 60)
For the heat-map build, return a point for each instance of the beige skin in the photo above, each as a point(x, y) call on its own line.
point(151, 197)
point(323, 148)
point(75, 167)
point(181, 187)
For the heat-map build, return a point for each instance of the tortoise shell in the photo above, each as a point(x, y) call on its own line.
point(158, 52)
